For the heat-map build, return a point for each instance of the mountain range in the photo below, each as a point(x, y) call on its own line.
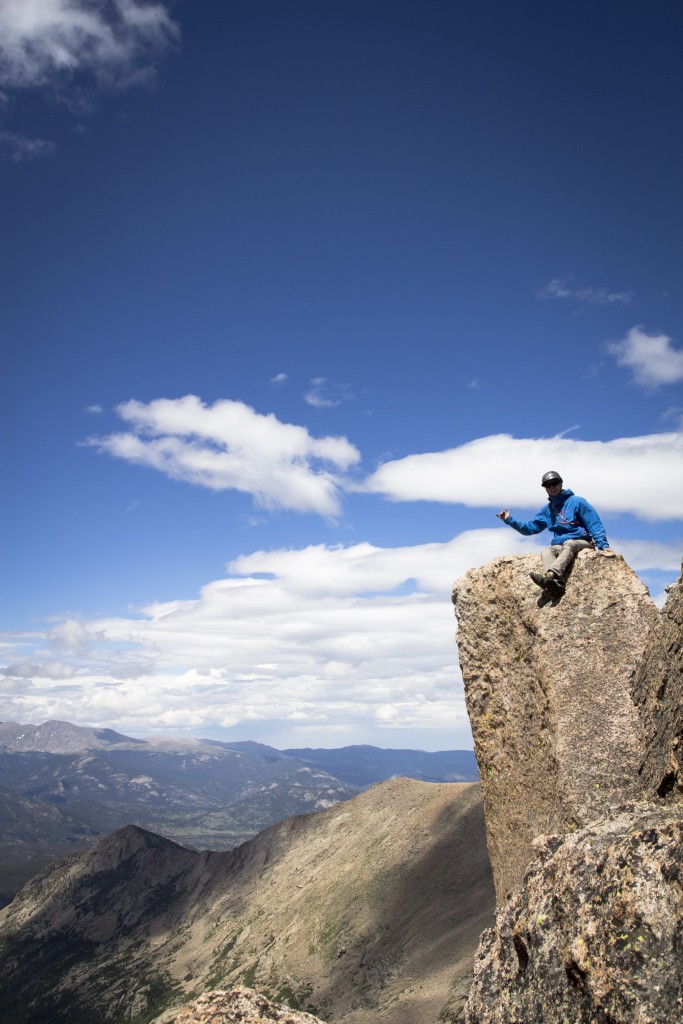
point(373, 907)
point(202, 793)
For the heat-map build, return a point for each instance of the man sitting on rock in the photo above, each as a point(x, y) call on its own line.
point(576, 526)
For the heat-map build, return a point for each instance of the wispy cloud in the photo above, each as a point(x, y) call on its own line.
point(20, 147)
point(70, 49)
point(674, 414)
point(651, 358)
point(323, 395)
point(561, 288)
point(278, 379)
point(229, 446)
point(503, 470)
point(117, 41)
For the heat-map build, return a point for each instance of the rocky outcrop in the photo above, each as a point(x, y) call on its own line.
point(658, 693)
point(556, 733)
point(595, 933)
point(241, 1005)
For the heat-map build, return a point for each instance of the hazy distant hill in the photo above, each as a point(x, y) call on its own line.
point(203, 793)
point(362, 766)
point(369, 911)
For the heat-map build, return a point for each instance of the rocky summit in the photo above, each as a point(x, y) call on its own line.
point(556, 732)
point(576, 712)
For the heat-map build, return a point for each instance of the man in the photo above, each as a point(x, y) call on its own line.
point(576, 526)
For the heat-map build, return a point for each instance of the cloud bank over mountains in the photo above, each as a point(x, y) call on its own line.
point(292, 645)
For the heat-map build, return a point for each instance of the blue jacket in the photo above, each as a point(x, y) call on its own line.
point(568, 517)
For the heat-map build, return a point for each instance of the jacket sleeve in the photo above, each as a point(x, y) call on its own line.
point(591, 520)
point(531, 526)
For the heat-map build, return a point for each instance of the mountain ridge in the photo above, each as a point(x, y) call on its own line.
point(354, 910)
point(203, 793)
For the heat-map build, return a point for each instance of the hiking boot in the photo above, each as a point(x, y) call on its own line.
point(554, 585)
point(550, 582)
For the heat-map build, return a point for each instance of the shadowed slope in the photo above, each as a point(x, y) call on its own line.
point(345, 913)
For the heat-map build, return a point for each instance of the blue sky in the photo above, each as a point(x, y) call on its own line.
point(294, 297)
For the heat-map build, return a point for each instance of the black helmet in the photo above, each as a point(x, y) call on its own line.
point(551, 477)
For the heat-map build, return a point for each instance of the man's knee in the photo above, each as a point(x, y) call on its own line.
point(577, 545)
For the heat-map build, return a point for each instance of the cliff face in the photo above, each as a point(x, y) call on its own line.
point(556, 733)
point(658, 693)
point(576, 714)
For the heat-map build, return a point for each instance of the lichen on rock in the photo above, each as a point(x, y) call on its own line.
point(595, 933)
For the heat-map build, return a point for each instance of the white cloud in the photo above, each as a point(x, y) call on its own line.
point(71, 636)
point(334, 642)
point(230, 446)
point(323, 395)
point(559, 288)
point(44, 41)
point(279, 378)
point(502, 470)
point(647, 554)
point(651, 357)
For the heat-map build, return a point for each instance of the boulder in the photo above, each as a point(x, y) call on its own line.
point(595, 933)
point(556, 732)
point(243, 1005)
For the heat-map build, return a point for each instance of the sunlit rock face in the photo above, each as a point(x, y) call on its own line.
point(576, 713)
point(556, 732)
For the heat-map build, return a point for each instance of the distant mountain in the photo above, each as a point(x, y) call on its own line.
point(59, 737)
point(203, 793)
point(368, 911)
point(362, 766)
